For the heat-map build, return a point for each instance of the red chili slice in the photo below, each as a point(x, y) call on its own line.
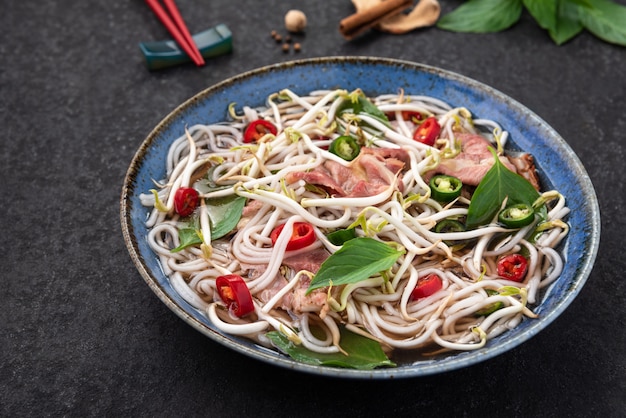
point(513, 267)
point(234, 292)
point(428, 131)
point(426, 286)
point(414, 117)
point(258, 128)
point(408, 115)
point(302, 235)
point(186, 201)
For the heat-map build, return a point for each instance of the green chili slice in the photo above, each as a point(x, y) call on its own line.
point(341, 236)
point(345, 147)
point(449, 225)
point(445, 188)
point(516, 216)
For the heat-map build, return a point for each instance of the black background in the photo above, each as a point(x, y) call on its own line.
point(81, 334)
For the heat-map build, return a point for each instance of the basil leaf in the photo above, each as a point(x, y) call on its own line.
point(361, 106)
point(358, 259)
point(224, 213)
point(481, 16)
point(207, 186)
point(499, 183)
point(559, 18)
point(187, 238)
point(606, 20)
point(567, 24)
point(544, 12)
point(582, 3)
point(363, 353)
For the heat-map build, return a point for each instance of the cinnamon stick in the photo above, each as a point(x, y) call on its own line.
point(355, 24)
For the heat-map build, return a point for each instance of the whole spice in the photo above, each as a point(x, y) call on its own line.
point(370, 15)
point(387, 16)
point(295, 21)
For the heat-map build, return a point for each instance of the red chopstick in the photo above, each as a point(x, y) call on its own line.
point(177, 28)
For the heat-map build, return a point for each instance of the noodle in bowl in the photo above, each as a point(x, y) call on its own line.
point(271, 177)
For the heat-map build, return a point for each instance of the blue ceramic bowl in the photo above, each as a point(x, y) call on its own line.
point(558, 167)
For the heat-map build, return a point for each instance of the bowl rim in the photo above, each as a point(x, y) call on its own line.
point(404, 371)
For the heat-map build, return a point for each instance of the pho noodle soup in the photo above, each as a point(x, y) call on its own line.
point(337, 227)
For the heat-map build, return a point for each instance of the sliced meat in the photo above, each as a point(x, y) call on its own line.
point(296, 300)
point(313, 302)
point(525, 165)
point(369, 174)
point(394, 156)
point(251, 208)
point(309, 261)
point(253, 271)
point(472, 163)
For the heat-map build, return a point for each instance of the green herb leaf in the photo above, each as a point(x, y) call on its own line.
point(544, 12)
point(606, 20)
point(224, 213)
point(363, 106)
point(567, 24)
point(358, 259)
point(363, 353)
point(564, 19)
point(482, 16)
point(340, 236)
point(498, 184)
point(187, 237)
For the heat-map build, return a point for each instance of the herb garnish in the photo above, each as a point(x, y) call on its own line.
point(498, 184)
point(224, 214)
point(563, 19)
point(362, 353)
point(357, 104)
point(358, 259)
point(187, 236)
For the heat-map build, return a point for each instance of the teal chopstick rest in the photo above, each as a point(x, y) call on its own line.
point(211, 43)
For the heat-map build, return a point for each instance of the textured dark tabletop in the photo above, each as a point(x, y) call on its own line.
point(81, 334)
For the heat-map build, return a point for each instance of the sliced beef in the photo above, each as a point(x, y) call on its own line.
point(309, 261)
point(296, 300)
point(525, 166)
point(369, 174)
point(472, 163)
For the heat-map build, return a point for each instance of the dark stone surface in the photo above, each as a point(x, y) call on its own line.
point(82, 335)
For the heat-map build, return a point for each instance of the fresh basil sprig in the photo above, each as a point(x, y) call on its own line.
point(357, 104)
point(224, 214)
point(498, 184)
point(187, 237)
point(563, 19)
point(482, 16)
point(362, 353)
point(358, 259)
